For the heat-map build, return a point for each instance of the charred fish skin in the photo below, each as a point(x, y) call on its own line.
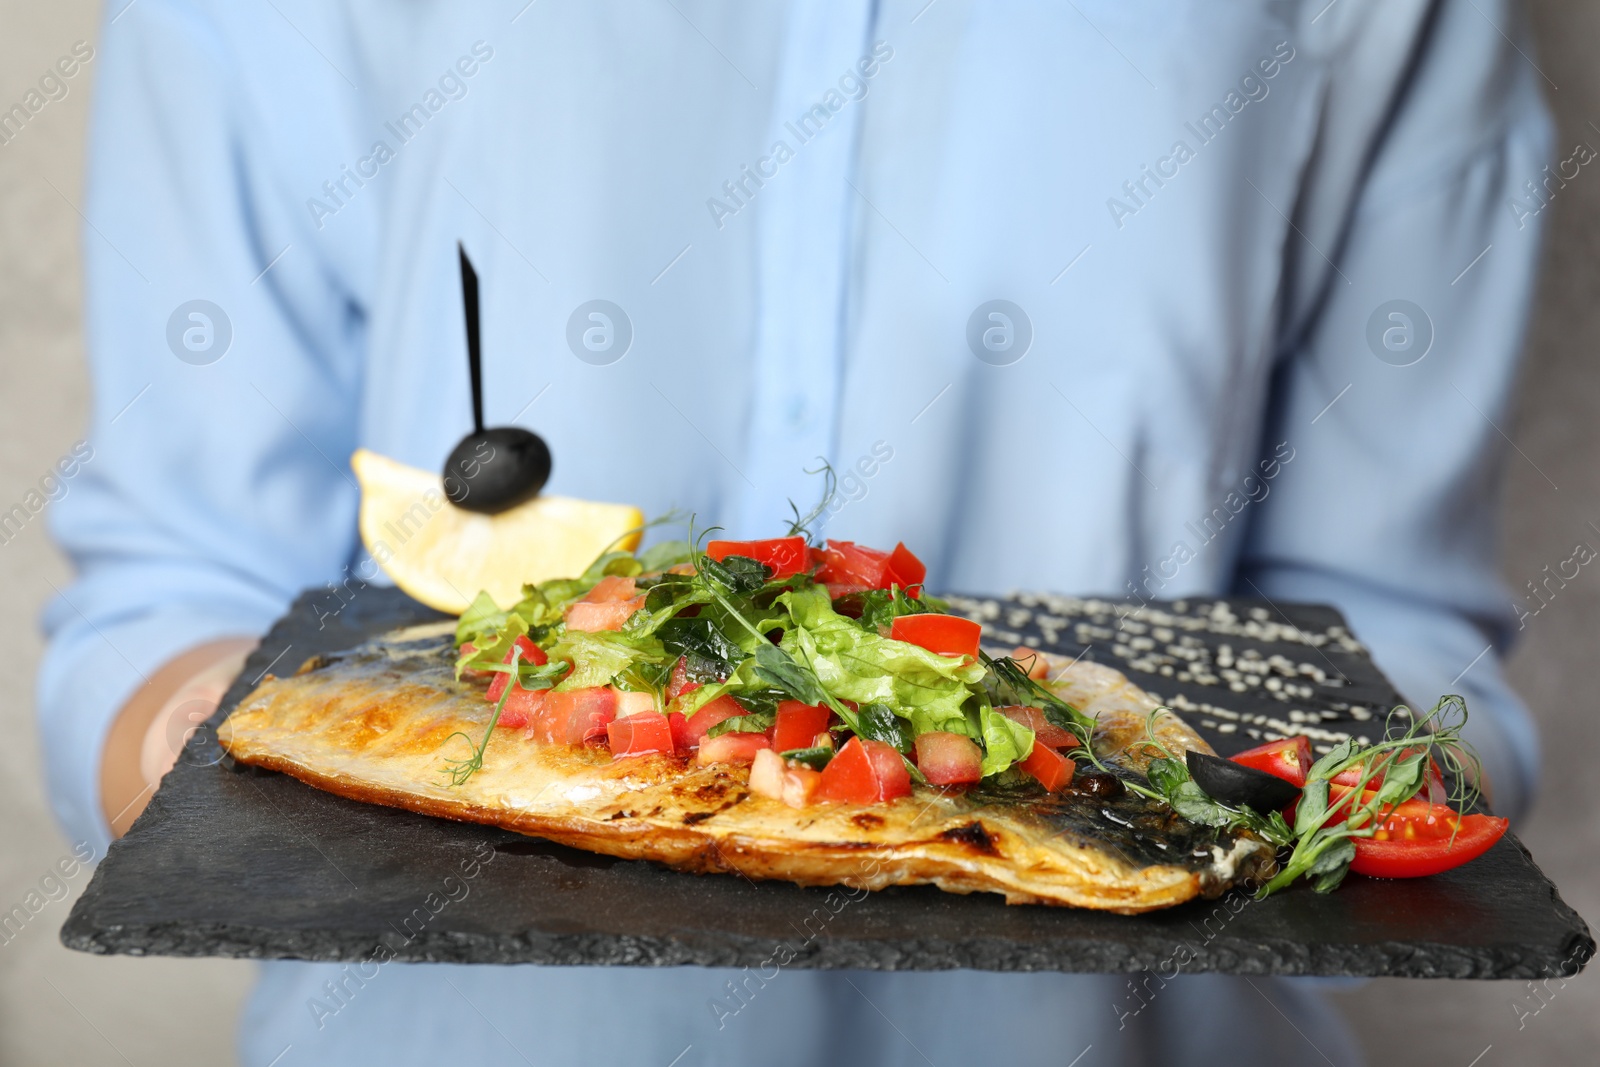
point(373, 724)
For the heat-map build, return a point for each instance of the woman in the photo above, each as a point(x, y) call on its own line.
point(1074, 278)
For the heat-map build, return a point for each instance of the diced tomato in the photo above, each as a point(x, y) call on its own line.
point(782, 555)
point(605, 607)
point(948, 635)
point(766, 774)
point(864, 772)
point(679, 683)
point(680, 732)
point(1044, 731)
point(1049, 767)
point(905, 569)
point(1033, 661)
point(731, 747)
point(611, 589)
point(634, 704)
point(949, 759)
point(798, 725)
point(1414, 840)
point(497, 686)
point(576, 716)
point(592, 617)
point(894, 780)
point(723, 707)
point(1288, 759)
point(794, 784)
point(531, 653)
point(522, 706)
point(639, 735)
point(847, 563)
point(800, 786)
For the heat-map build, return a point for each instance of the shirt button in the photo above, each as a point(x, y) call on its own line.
point(799, 412)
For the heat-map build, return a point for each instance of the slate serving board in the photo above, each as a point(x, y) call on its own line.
point(230, 860)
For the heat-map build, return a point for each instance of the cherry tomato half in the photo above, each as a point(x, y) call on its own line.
point(1288, 759)
point(1415, 840)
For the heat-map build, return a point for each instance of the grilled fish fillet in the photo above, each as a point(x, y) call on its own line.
point(376, 724)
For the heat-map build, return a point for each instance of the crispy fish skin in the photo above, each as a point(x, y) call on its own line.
point(1121, 711)
point(376, 724)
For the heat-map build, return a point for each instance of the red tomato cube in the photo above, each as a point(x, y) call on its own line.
point(576, 716)
point(611, 589)
point(713, 712)
point(949, 759)
point(782, 555)
point(1044, 731)
point(1033, 661)
point(948, 635)
point(531, 653)
point(679, 683)
point(521, 707)
point(592, 617)
point(680, 733)
point(864, 772)
point(639, 735)
point(766, 774)
point(904, 568)
point(1049, 767)
point(847, 563)
point(800, 786)
point(732, 747)
point(798, 725)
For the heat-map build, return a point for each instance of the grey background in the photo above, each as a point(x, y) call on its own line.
point(61, 1007)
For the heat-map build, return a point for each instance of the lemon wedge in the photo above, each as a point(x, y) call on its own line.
point(443, 555)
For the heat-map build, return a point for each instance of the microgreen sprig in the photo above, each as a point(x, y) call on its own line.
point(801, 524)
point(1325, 833)
point(460, 770)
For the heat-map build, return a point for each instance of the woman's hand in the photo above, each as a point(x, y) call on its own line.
point(149, 731)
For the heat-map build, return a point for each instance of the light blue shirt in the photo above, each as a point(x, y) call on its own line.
point(1056, 287)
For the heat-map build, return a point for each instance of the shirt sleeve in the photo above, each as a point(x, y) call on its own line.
point(217, 484)
point(1395, 386)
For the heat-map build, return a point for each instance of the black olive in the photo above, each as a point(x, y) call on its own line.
point(496, 469)
point(1097, 784)
point(1234, 783)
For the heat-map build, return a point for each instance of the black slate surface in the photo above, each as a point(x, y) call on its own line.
point(233, 861)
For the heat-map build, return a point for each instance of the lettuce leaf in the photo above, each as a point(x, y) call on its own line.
point(1005, 741)
point(922, 687)
point(599, 658)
